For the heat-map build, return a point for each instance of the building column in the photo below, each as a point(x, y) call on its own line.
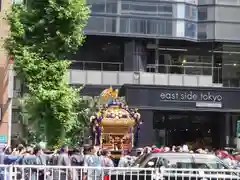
point(227, 122)
point(156, 56)
point(146, 133)
point(119, 9)
point(134, 56)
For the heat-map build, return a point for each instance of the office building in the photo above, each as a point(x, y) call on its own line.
point(175, 60)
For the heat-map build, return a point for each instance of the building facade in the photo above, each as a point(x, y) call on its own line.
point(186, 50)
point(171, 59)
point(187, 37)
point(6, 80)
point(193, 20)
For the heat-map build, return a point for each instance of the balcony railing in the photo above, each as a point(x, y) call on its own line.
point(96, 65)
point(144, 78)
point(215, 72)
point(183, 69)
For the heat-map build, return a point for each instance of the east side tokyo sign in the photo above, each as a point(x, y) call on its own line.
point(191, 96)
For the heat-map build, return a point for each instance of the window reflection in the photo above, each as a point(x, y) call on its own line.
point(206, 2)
point(95, 24)
point(165, 8)
point(202, 31)
point(111, 7)
point(110, 24)
point(152, 27)
point(202, 13)
point(138, 26)
point(130, 25)
point(124, 25)
point(106, 54)
point(146, 26)
point(147, 9)
point(191, 29)
point(101, 24)
point(143, 8)
point(191, 12)
point(101, 6)
point(98, 7)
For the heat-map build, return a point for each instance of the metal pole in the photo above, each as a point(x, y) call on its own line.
point(156, 56)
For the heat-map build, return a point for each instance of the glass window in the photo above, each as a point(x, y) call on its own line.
point(124, 25)
point(227, 2)
point(144, 8)
point(110, 24)
point(164, 27)
point(205, 2)
point(147, 9)
point(95, 24)
point(16, 115)
point(178, 162)
point(202, 13)
point(191, 12)
point(106, 54)
point(152, 26)
point(16, 84)
point(111, 7)
point(126, 6)
point(191, 29)
point(202, 31)
point(165, 8)
point(169, 27)
point(138, 26)
point(98, 7)
point(140, 160)
point(146, 26)
point(209, 163)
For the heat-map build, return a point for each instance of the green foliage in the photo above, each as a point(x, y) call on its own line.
point(42, 34)
point(86, 108)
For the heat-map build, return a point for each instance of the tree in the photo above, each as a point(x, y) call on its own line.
point(42, 34)
point(86, 108)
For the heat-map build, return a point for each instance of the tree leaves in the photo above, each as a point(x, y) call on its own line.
point(42, 34)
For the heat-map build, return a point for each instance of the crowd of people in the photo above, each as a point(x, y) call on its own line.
point(81, 156)
point(90, 156)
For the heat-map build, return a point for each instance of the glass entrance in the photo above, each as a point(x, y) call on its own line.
point(197, 129)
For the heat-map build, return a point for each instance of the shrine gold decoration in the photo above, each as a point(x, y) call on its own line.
point(116, 120)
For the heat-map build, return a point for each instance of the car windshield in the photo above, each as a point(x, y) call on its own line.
point(139, 160)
